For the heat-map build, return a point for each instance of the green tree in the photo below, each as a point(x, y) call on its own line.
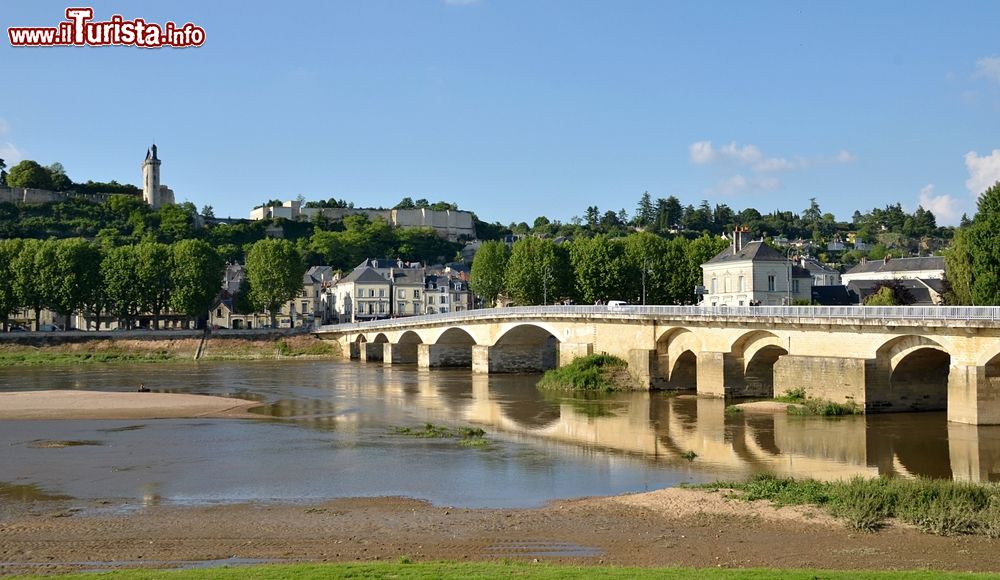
point(196, 276)
point(153, 277)
point(599, 269)
point(58, 178)
point(882, 297)
point(274, 271)
point(29, 173)
point(9, 251)
point(488, 270)
point(78, 271)
point(177, 222)
point(645, 213)
point(538, 272)
point(984, 248)
point(26, 289)
point(958, 269)
point(123, 296)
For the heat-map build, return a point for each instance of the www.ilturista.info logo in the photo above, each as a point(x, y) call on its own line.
point(79, 29)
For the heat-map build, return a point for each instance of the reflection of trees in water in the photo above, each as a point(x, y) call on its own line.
point(522, 402)
point(589, 404)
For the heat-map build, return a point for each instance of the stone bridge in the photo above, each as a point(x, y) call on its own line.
point(883, 358)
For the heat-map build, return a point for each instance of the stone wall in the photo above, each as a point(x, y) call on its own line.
point(29, 196)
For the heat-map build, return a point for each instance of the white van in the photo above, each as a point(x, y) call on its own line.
point(614, 304)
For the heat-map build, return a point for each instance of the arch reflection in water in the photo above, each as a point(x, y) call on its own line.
point(665, 429)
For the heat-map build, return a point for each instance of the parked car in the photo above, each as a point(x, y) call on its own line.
point(614, 304)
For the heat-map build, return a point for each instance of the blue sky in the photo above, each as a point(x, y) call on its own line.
point(520, 108)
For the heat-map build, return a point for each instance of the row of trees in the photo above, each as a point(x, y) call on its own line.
point(149, 278)
point(76, 275)
point(53, 177)
point(639, 267)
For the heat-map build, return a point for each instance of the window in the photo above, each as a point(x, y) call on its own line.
point(401, 293)
point(443, 289)
point(714, 283)
point(416, 293)
point(401, 308)
point(416, 308)
point(371, 292)
point(444, 310)
point(361, 292)
point(444, 300)
point(381, 307)
point(770, 283)
point(739, 285)
point(371, 308)
point(218, 313)
point(305, 307)
point(381, 292)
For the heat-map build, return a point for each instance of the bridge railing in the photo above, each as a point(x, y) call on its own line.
point(887, 313)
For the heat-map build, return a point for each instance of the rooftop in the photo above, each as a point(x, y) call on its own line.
point(899, 265)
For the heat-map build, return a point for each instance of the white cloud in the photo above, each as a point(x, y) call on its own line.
point(988, 68)
point(704, 153)
point(738, 184)
point(983, 171)
point(10, 154)
point(845, 156)
point(944, 207)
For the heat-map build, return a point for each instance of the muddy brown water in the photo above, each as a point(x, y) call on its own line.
point(327, 430)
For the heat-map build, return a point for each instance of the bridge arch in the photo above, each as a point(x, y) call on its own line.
point(521, 348)
point(360, 338)
point(380, 338)
point(751, 363)
point(456, 336)
point(409, 337)
point(910, 373)
point(677, 359)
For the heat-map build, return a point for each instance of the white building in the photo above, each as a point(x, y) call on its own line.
point(752, 273)
point(924, 268)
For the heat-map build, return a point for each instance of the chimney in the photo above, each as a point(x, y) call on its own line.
point(864, 261)
point(886, 259)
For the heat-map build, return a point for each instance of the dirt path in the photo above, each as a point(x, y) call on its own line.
point(661, 528)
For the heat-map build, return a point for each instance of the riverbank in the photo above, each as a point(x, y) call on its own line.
point(669, 527)
point(65, 404)
point(163, 347)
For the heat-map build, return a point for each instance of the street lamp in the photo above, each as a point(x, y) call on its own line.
point(645, 269)
point(546, 272)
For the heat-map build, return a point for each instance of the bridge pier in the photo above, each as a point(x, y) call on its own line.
point(711, 374)
point(823, 377)
point(399, 354)
point(443, 355)
point(973, 394)
point(514, 358)
point(572, 350)
point(354, 350)
point(642, 364)
point(370, 351)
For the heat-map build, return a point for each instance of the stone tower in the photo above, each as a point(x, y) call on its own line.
point(151, 179)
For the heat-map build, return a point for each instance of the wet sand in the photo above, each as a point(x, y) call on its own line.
point(64, 404)
point(671, 527)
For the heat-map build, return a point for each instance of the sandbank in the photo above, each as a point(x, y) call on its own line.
point(117, 405)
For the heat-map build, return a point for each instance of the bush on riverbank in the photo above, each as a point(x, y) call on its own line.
point(595, 372)
point(803, 405)
point(936, 506)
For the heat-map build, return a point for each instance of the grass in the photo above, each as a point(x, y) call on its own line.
point(792, 396)
point(26, 358)
point(808, 406)
point(733, 410)
point(320, 348)
point(935, 506)
point(407, 570)
point(825, 408)
point(467, 436)
point(595, 372)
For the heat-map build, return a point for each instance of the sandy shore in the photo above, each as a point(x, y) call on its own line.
point(670, 527)
point(104, 405)
point(765, 407)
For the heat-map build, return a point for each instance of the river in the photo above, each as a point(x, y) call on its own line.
point(327, 429)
